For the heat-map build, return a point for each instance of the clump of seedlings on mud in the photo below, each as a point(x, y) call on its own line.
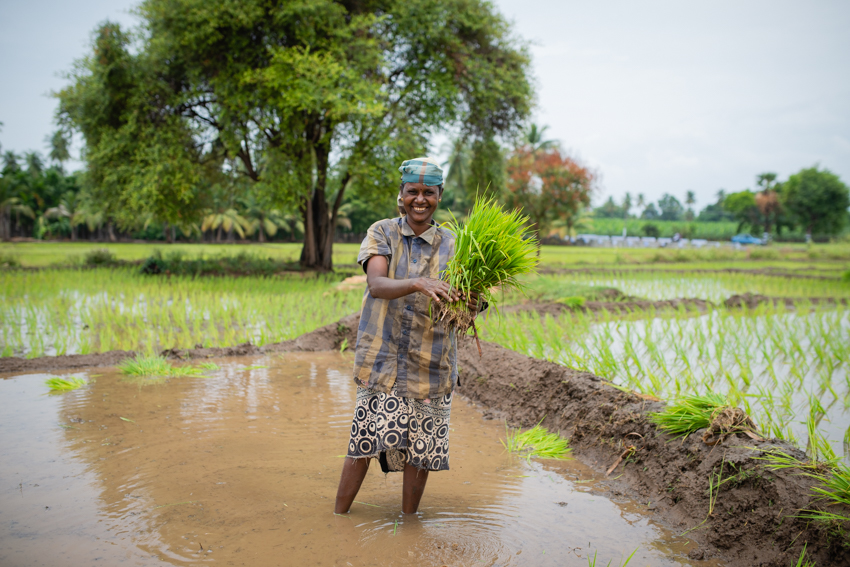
point(493, 248)
point(711, 412)
point(536, 442)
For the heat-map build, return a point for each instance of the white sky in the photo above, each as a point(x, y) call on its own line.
point(659, 96)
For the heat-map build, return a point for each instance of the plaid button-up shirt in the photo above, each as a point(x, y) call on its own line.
point(397, 344)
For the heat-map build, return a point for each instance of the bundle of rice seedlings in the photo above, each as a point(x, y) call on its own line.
point(711, 412)
point(58, 384)
point(536, 442)
point(493, 247)
point(155, 366)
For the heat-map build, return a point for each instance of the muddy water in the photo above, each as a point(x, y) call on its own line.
point(241, 468)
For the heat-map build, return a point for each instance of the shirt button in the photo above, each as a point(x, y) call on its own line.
point(414, 260)
point(409, 308)
point(404, 332)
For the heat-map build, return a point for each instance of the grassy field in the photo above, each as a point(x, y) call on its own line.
point(44, 254)
point(794, 256)
point(693, 229)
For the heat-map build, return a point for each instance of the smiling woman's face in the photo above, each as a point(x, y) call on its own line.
point(420, 201)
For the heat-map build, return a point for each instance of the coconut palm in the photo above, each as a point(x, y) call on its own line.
point(68, 208)
point(534, 138)
point(12, 206)
point(228, 220)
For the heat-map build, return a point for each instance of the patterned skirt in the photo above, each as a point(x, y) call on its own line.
point(398, 430)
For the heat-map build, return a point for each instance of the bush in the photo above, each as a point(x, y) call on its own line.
point(154, 264)
point(100, 257)
point(846, 277)
point(241, 264)
point(650, 229)
point(764, 254)
point(9, 261)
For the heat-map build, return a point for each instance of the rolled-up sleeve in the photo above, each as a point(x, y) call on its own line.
point(375, 244)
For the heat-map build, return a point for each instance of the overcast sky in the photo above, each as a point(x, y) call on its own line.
point(658, 96)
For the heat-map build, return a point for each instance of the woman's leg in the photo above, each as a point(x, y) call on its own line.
point(353, 473)
point(414, 487)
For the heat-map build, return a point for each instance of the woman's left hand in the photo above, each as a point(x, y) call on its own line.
point(473, 301)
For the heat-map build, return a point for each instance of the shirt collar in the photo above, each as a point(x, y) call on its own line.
point(427, 236)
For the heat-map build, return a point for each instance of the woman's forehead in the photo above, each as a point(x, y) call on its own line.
point(419, 186)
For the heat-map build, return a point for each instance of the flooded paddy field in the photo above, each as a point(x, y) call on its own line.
point(786, 367)
point(240, 467)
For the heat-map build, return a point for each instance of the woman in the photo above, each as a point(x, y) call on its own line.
point(405, 366)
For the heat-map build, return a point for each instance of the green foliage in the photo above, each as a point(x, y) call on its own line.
point(650, 229)
point(688, 414)
point(100, 257)
point(155, 366)
point(591, 562)
point(670, 208)
point(573, 302)
point(57, 384)
point(634, 227)
point(8, 260)
point(536, 442)
point(243, 263)
point(493, 248)
point(300, 101)
point(817, 199)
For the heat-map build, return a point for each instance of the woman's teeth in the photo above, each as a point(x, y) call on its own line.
point(420, 209)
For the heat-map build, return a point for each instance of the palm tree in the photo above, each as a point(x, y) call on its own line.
point(229, 220)
point(67, 208)
point(460, 158)
point(627, 204)
point(8, 207)
point(34, 164)
point(690, 200)
point(534, 138)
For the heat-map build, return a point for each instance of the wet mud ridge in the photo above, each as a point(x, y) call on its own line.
point(754, 513)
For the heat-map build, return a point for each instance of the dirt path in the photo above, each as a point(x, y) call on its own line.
point(753, 521)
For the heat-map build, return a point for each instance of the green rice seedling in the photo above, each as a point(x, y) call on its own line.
point(573, 302)
point(155, 366)
point(689, 414)
point(536, 442)
point(58, 384)
point(493, 248)
point(835, 486)
point(209, 366)
point(802, 561)
point(592, 562)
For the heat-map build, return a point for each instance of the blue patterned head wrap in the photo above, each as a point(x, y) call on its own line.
point(422, 170)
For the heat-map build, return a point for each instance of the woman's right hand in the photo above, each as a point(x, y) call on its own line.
point(436, 289)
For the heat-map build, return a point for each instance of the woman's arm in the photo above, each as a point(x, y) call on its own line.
point(382, 287)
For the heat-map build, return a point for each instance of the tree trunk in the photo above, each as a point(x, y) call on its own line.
point(262, 237)
point(169, 236)
point(317, 253)
point(110, 232)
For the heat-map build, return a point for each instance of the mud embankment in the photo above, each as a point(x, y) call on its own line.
point(753, 520)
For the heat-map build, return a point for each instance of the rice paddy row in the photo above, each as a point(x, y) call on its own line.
point(711, 287)
point(786, 368)
point(81, 312)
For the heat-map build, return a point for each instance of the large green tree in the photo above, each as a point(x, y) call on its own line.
point(305, 99)
point(817, 200)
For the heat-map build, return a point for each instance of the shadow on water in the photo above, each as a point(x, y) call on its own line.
point(241, 468)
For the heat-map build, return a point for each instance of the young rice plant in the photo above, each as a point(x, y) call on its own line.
point(493, 248)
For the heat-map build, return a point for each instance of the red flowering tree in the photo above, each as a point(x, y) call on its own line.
point(550, 186)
